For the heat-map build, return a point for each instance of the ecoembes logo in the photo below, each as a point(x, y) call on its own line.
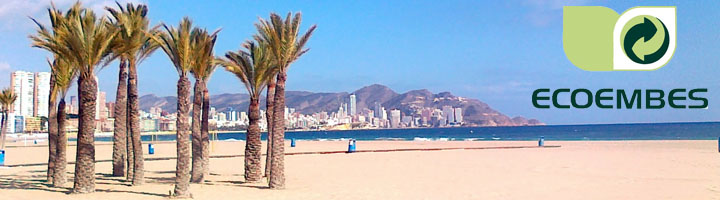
point(596, 38)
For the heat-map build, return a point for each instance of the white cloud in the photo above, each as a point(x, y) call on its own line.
point(14, 13)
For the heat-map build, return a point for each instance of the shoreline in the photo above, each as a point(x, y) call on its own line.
point(414, 128)
point(621, 132)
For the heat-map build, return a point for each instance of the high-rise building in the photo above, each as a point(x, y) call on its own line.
point(395, 118)
point(407, 121)
point(232, 116)
point(11, 124)
point(73, 105)
point(221, 117)
point(341, 111)
point(156, 111)
point(110, 109)
point(100, 107)
point(353, 105)
point(383, 113)
point(345, 108)
point(42, 94)
point(377, 110)
point(23, 85)
point(458, 115)
point(448, 114)
point(287, 113)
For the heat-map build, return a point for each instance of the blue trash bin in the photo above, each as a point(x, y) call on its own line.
point(292, 142)
point(151, 148)
point(541, 142)
point(2, 157)
point(351, 146)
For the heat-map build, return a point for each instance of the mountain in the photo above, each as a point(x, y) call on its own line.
point(475, 112)
point(368, 95)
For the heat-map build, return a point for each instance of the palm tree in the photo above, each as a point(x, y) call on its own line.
point(86, 43)
point(285, 46)
point(64, 74)
point(183, 45)
point(52, 39)
point(255, 69)
point(202, 67)
point(7, 98)
point(134, 43)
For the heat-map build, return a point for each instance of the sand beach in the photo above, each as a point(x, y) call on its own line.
point(576, 170)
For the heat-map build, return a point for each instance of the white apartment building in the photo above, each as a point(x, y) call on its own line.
point(42, 93)
point(23, 85)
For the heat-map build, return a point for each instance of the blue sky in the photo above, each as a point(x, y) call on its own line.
point(495, 51)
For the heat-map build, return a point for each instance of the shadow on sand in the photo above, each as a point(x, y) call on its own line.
point(38, 182)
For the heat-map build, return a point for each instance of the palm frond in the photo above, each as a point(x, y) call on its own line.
point(7, 98)
point(176, 43)
point(253, 66)
point(283, 39)
point(204, 60)
point(81, 38)
point(134, 40)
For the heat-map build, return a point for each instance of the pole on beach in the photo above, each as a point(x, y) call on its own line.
point(212, 141)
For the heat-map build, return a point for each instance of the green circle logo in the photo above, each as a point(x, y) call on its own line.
point(645, 39)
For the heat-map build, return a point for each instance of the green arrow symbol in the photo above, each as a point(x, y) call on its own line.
point(636, 42)
point(645, 30)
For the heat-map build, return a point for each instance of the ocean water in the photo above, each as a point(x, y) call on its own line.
point(658, 131)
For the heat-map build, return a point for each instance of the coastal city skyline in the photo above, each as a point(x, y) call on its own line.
point(32, 89)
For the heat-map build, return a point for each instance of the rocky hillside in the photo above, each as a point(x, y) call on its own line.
point(475, 112)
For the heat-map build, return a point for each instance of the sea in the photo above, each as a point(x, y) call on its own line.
point(650, 131)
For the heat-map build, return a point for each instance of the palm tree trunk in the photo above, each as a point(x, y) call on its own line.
point(197, 157)
point(205, 130)
point(182, 173)
point(277, 163)
point(269, 107)
point(85, 154)
point(134, 122)
point(130, 155)
point(120, 115)
point(253, 145)
point(61, 158)
point(52, 132)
